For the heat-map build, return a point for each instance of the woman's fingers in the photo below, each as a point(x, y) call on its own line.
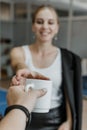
point(36, 75)
point(21, 75)
point(14, 81)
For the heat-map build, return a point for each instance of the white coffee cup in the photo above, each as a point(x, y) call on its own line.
point(43, 103)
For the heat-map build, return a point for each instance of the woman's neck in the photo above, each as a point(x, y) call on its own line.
point(43, 47)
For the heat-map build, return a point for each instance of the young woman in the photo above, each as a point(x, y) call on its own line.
point(59, 65)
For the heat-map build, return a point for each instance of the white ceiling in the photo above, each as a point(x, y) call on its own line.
point(61, 4)
point(65, 4)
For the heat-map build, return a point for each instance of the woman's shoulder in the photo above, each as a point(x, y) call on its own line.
point(19, 48)
point(16, 48)
point(17, 51)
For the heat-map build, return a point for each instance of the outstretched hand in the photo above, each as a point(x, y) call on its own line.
point(22, 74)
point(17, 95)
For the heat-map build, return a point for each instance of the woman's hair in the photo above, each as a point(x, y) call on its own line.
point(42, 7)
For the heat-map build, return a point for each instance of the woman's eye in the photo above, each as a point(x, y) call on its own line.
point(51, 23)
point(39, 22)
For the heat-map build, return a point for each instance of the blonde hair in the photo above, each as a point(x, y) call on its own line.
point(42, 7)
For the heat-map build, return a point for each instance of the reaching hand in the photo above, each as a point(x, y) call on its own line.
point(26, 73)
point(22, 74)
point(17, 95)
point(17, 81)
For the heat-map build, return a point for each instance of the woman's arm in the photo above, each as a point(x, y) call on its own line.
point(18, 63)
point(20, 68)
point(17, 59)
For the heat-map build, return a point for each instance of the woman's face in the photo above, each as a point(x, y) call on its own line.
point(45, 26)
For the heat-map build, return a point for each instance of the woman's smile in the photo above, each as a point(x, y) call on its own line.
point(45, 26)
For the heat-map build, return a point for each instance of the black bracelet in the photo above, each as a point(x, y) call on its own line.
point(24, 109)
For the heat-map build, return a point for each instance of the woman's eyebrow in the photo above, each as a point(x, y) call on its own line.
point(43, 19)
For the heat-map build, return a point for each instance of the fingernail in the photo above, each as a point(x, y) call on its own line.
point(44, 89)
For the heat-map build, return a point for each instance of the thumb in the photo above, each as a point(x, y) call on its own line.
point(41, 92)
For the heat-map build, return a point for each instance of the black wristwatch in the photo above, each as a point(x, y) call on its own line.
point(24, 109)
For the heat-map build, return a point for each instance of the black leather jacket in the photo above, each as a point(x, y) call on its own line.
point(71, 65)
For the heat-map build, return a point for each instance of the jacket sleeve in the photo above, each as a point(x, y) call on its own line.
point(78, 91)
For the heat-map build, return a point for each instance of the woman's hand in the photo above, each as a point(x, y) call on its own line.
point(26, 73)
point(22, 74)
point(65, 126)
point(20, 77)
point(18, 81)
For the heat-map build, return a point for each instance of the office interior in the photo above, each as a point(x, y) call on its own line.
point(15, 30)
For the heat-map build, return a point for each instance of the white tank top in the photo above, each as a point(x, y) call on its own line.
point(54, 72)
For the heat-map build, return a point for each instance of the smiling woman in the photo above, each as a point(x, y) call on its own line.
point(59, 65)
point(45, 26)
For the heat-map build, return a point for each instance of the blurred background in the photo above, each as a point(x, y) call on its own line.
point(15, 30)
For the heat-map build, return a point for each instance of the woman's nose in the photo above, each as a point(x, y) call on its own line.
point(45, 25)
